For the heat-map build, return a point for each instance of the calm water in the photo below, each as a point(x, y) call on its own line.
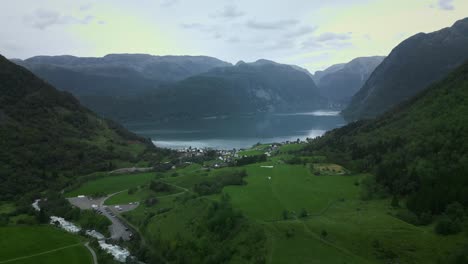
point(238, 131)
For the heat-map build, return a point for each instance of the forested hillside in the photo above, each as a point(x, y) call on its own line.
point(47, 137)
point(418, 150)
point(410, 68)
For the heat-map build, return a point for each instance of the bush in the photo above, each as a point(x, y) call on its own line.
point(408, 217)
point(425, 218)
point(151, 201)
point(158, 186)
point(446, 226)
point(251, 159)
point(304, 213)
point(131, 191)
point(455, 211)
point(216, 184)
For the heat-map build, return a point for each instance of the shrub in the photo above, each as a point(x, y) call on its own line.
point(408, 217)
point(446, 226)
point(158, 186)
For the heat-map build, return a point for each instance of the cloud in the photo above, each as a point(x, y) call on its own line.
point(272, 25)
point(233, 40)
point(328, 40)
point(330, 36)
point(168, 3)
point(446, 4)
point(42, 19)
point(86, 7)
point(282, 44)
point(300, 32)
point(192, 26)
point(230, 12)
point(311, 44)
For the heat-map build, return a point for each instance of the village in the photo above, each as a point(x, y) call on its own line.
point(224, 158)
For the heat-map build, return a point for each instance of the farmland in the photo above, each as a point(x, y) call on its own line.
point(41, 244)
point(305, 216)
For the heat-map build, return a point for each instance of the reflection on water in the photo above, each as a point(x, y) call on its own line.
point(314, 113)
point(229, 132)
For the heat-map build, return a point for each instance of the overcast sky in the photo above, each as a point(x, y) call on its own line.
point(310, 33)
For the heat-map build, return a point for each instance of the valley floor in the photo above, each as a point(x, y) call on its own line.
point(306, 218)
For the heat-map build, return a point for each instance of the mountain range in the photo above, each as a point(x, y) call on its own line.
point(340, 82)
point(116, 74)
point(138, 86)
point(261, 86)
point(410, 68)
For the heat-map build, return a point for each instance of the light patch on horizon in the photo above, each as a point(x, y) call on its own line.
point(377, 33)
point(124, 33)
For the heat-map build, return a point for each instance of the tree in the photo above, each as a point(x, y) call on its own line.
point(446, 226)
point(455, 211)
point(324, 233)
point(285, 214)
point(395, 203)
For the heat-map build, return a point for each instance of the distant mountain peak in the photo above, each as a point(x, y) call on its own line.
point(340, 82)
point(241, 62)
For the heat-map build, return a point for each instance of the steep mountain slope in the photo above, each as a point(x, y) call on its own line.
point(116, 74)
point(46, 136)
point(410, 68)
point(418, 149)
point(334, 68)
point(339, 85)
point(262, 86)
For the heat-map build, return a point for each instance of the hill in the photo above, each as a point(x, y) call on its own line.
point(116, 74)
point(410, 68)
point(47, 137)
point(262, 86)
point(340, 82)
point(418, 150)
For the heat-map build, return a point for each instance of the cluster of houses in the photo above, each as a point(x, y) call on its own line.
point(226, 157)
point(119, 253)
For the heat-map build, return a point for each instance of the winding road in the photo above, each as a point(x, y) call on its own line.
point(95, 261)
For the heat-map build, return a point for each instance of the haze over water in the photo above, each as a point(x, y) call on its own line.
point(227, 132)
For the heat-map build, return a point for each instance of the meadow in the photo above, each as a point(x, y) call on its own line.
point(112, 184)
point(306, 217)
point(41, 245)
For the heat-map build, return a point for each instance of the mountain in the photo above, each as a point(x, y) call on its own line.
point(340, 82)
point(47, 137)
point(261, 86)
point(317, 76)
point(410, 68)
point(116, 74)
point(418, 149)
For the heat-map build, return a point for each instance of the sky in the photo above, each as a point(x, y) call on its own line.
point(313, 34)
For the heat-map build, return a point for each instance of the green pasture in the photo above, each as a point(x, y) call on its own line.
point(41, 244)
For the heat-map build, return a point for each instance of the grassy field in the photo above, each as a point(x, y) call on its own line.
point(41, 245)
point(307, 218)
point(112, 184)
point(140, 195)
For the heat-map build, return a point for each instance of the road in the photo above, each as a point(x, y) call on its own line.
point(95, 261)
point(117, 229)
